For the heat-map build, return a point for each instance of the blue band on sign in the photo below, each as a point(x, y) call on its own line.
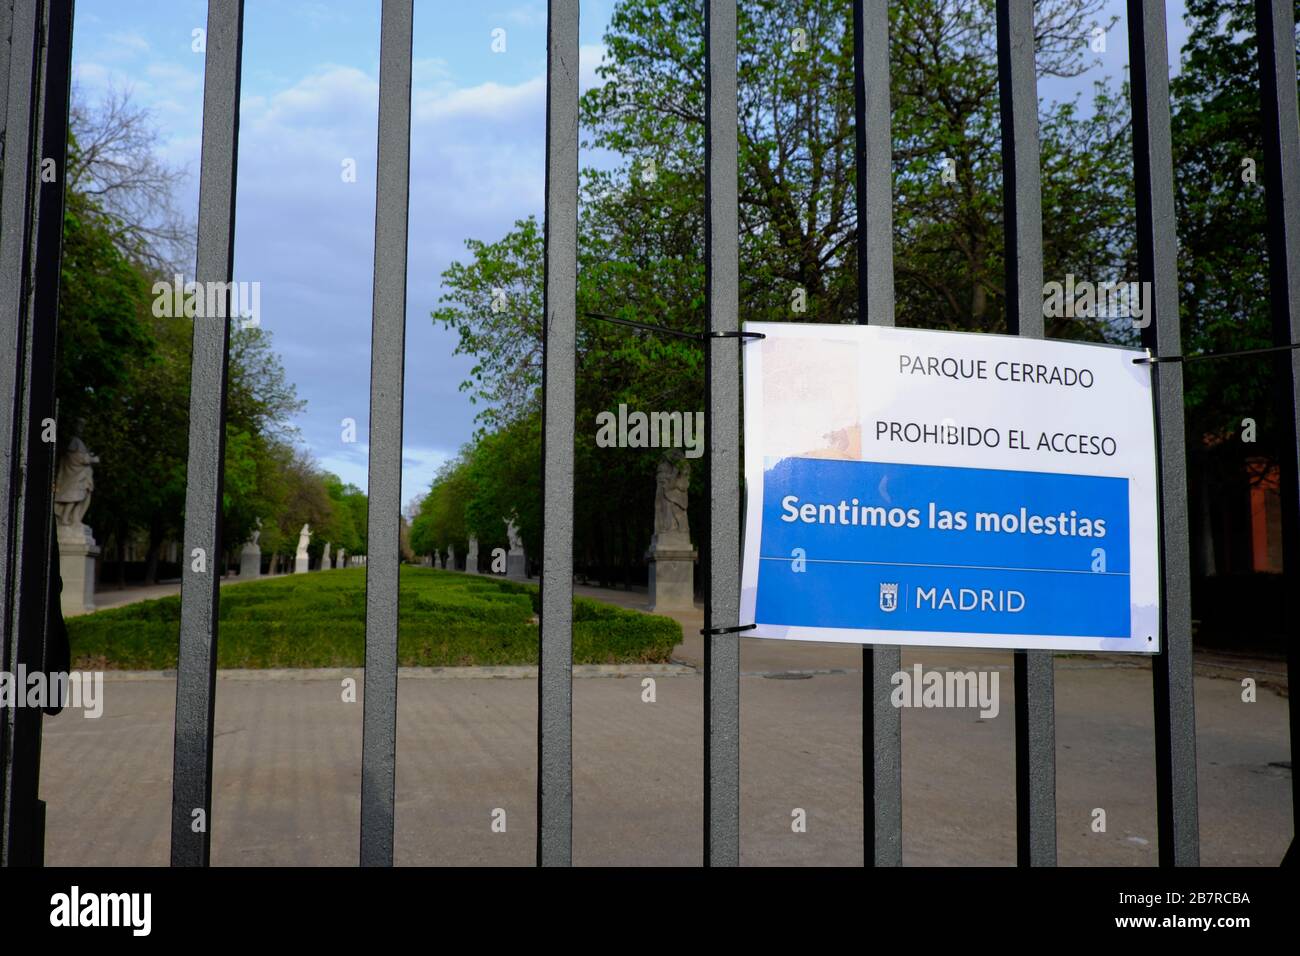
point(933, 548)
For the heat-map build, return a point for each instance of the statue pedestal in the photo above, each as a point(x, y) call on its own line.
point(300, 562)
point(471, 557)
point(77, 553)
point(516, 567)
point(250, 561)
point(672, 572)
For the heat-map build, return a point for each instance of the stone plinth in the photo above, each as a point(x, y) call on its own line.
point(672, 572)
point(77, 553)
point(516, 566)
point(300, 563)
point(250, 561)
point(471, 557)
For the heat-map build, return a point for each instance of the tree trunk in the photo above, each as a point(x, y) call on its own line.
point(151, 559)
point(1206, 549)
point(122, 532)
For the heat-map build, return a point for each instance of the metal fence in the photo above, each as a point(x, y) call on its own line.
point(34, 80)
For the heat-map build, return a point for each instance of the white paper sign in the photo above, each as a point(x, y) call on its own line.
point(951, 489)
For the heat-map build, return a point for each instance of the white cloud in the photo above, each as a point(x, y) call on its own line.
point(528, 14)
point(124, 44)
point(176, 78)
point(590, 56)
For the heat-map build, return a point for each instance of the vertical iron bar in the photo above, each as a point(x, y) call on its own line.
point(882, 725)
point(1175, 713)
point(555, 673)
point(196, 666)
point(1275, 21)
point(387, 351)
point(722, 399)
point(29, 511)
point(21, 28)
point(6, 41)
point(1023, 222)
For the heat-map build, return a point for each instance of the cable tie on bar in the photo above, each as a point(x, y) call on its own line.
point(708, 631)
point(1157, 359)
point(693, 336)
point(735, 335)
point(645, 326)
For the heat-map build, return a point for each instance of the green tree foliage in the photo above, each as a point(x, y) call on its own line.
point(440, 522)
point(124, 363)
point(344, 530)
point(1222, 219)
point(495, 304)
point(1222, 259)
point(797, 142)
point(641, 223)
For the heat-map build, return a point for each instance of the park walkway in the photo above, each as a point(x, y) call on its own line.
point(287, 758)
point(287, 763)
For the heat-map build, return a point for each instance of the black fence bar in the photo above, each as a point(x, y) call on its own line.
point(559, 337)
point(201, 558)
point(1023, 218)
point(722, 421)
point(882, 725)
point(387, 352)
point(20, 59)
point(1275, 22)
point(1175, 713)
point(29, 511)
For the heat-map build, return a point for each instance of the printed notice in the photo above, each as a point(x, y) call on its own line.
point(933, 488)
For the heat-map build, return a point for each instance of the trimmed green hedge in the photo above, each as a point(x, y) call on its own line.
point(317, 620)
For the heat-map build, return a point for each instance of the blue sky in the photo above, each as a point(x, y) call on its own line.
point(310, 87)
point(309, 101)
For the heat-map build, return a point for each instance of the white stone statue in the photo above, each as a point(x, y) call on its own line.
point(250, 556)
point(512, 535)
point(73, 484)
point(671, 559)
point(672, 484)
point(304, 536)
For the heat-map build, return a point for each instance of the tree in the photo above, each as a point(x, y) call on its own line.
point(494, 302)
point(123, 369)
point(1222, 261)
point(506, 480)
point(796, 148)
point(641, 229)
point(115, 165)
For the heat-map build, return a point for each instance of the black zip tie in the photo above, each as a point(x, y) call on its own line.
point(734, 335)
point(693, 336)
point(708, 631)
point(1155, 359)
